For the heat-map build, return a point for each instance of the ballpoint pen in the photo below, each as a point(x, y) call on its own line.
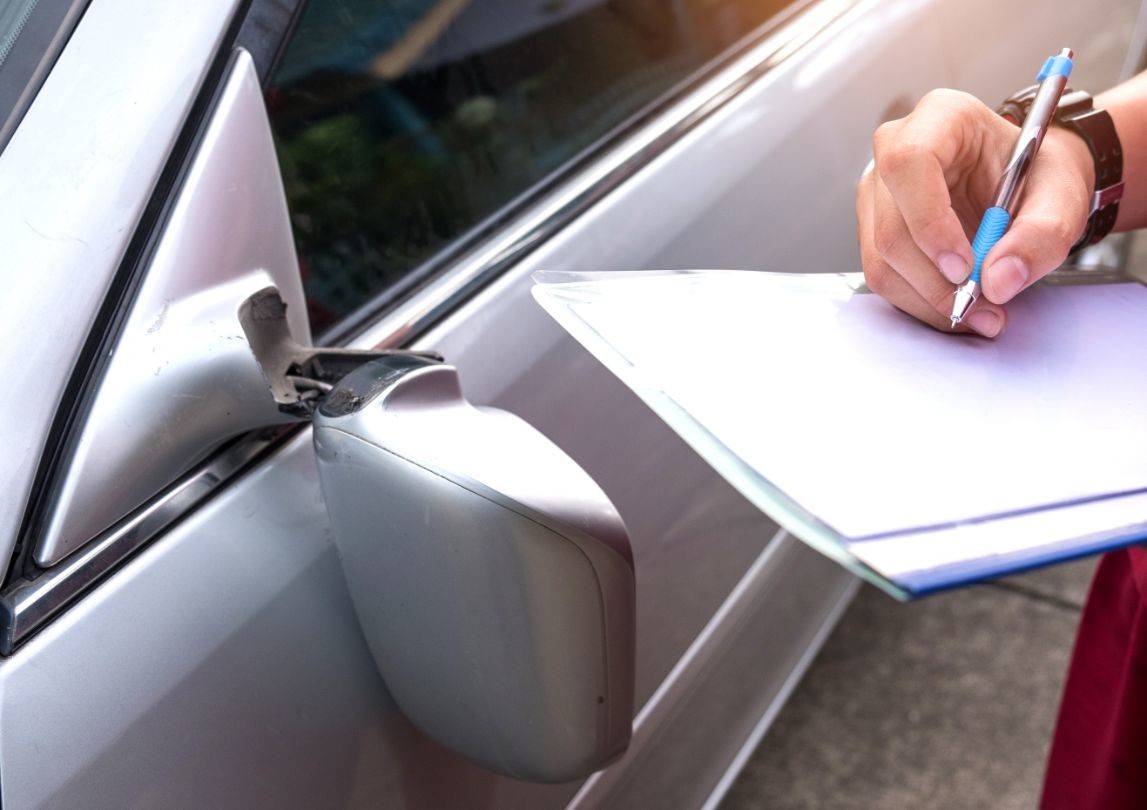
point(1052, 79)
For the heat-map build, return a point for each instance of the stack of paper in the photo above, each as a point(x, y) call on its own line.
point(921, 460)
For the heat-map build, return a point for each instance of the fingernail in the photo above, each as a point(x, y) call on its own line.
point(1007, 276)
point(984, 321)
point(954, 268)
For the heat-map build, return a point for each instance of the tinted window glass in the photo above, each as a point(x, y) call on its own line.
point(402, 123)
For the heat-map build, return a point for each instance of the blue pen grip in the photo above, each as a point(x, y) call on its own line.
point(992, 227)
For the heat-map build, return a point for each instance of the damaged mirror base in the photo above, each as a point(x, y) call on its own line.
point(299, 376)
point(492, 578)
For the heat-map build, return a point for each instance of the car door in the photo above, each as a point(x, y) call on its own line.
point(214, 657)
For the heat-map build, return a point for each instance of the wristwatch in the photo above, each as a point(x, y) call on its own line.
point(1077, 112)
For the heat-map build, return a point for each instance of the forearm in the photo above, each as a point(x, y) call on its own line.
point(1127, 104)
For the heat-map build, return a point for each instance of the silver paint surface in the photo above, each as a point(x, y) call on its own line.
point(492, 578)
point(182, 378)
point(32, 604)
point(76, 177)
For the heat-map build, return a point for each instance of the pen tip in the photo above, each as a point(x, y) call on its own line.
point(954, 322)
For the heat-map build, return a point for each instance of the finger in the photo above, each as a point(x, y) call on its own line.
point(984, 318)
point(913, 157)
point(895, 243)
point(1051, 218)
point(883, 279)
point(896, 247)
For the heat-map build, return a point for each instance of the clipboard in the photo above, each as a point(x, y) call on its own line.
point(919, 460)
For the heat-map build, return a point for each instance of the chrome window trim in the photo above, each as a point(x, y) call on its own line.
point(28, 605)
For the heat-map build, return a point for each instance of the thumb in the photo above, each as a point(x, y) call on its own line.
point(1049, 222)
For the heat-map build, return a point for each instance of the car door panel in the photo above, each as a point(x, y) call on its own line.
point(1099, 33)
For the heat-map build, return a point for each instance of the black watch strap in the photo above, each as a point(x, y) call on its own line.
point(1098, 132)
point(1077, 112)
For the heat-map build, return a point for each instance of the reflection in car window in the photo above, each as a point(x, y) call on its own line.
point(401, 123)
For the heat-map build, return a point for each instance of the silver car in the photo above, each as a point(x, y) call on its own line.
point(269, 532)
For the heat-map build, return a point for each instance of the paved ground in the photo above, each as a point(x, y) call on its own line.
point(945, 703)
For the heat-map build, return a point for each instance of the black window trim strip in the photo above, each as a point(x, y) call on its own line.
point(266, 31)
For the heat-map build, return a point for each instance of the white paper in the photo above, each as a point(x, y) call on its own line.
point(874, 423)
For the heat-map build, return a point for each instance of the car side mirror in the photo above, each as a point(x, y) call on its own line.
point(492, 578)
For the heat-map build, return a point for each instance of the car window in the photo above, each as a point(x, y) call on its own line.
point(400, 124)
point(32, 32)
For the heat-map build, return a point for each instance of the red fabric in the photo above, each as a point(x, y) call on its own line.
point(1099, 752)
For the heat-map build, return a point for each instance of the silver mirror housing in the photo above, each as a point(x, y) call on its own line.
point(492, 578)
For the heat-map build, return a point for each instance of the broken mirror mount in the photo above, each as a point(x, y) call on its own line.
point(491, 577)
point(300, 376)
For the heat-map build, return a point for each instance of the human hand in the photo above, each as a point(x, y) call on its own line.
point(934, 174)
